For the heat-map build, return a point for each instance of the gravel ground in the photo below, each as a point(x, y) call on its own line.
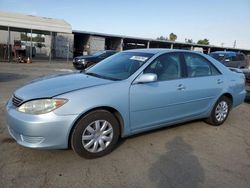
point(189, 155)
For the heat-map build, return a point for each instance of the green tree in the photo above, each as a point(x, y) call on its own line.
point(38, 38)
point(189, 41)
point(24, 37)
point(172, 37)
point(203, 41)
point(35, 37)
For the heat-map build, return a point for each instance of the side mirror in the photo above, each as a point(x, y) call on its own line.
point(146, 78)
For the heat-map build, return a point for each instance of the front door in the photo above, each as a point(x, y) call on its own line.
point(162, 101)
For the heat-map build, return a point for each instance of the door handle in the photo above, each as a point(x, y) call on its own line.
point(181, 87)
point(219, 81)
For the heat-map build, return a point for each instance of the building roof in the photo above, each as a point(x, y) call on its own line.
point(157, 41)
point(152, 50)
point(159, 50)
point(22, 21)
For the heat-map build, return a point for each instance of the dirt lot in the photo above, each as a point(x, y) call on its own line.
point(189, 155)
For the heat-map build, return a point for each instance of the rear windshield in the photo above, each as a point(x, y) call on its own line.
point(217, 56)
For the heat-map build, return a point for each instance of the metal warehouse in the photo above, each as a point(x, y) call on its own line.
point(36, 37)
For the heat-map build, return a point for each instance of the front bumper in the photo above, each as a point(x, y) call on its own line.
point(79, 65)
point(46, 131)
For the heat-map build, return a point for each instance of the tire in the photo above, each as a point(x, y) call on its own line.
point(220, 111)
point(95, 135)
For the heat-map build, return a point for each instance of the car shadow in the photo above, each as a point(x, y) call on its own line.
point(177, 167)
point(247, 101)
point(7, 77)
point(121, 141)
point(162, 128)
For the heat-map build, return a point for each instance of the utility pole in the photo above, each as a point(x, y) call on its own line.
point(234, 44)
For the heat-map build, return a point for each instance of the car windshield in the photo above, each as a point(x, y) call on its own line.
point(98, 53)
point(119, 66)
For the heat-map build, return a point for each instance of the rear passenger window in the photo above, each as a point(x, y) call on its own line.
point(198, 66)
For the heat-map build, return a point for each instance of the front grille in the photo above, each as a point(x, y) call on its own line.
point(16, 101)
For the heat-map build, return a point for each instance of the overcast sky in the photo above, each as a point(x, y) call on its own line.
point(221, 21)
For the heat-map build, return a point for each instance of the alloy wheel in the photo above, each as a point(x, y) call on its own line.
point(221, 111)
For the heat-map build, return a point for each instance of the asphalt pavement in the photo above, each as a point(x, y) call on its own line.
point(193, 154)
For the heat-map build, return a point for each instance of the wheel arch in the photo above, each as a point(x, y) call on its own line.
point(229, 96)
point(112, 110)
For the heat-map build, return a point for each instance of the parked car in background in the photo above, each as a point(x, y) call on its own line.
point(231, 59)
point(128, 93)
point(247, 75)
point(82, 62)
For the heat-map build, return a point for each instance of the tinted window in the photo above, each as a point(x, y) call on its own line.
point(228, 57)
point(235, 57)
point(109, 53)
point(241, 57)
point(218, 56)
point(119, 66)
point(198, 66)
point(166, 67)
point(98, 53)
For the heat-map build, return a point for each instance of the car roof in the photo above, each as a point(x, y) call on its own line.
point(109, 50)
point(224, 52)
point(157, 50)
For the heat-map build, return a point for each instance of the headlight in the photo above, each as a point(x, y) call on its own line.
point(81, 60)
point(41, 106)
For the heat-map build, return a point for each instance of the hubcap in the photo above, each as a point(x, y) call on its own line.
point(97, 136)
point(221, 111)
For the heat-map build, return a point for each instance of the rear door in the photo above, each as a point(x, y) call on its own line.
point(204, 83)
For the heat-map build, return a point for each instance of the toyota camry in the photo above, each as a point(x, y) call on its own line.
point(128, 93)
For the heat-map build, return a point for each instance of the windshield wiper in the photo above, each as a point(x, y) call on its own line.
point(93, 74)
point(100, 76)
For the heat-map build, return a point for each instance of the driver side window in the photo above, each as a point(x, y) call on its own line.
point(166, 67)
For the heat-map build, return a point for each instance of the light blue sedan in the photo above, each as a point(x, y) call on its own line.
point(128, 93)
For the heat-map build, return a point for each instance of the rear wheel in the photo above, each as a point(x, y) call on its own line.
point(220, 111)
point(95, 135)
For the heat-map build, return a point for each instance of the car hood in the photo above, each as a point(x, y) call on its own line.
point(87, 57)
point(53, 85)
point(83, 56)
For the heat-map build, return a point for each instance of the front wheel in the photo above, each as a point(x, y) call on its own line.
point(220, 111)
point(95, 135)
